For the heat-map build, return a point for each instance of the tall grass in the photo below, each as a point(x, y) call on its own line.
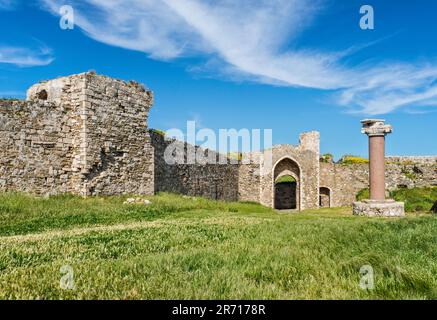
point(185, 248)
point(20, 213)
point(416, 199)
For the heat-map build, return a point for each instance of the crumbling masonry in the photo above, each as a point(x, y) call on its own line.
point(88, 134)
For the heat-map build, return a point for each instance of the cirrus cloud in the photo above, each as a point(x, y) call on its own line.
point(25, 57)
point(250, 39)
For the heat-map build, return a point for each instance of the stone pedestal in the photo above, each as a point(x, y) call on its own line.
point(379, 208)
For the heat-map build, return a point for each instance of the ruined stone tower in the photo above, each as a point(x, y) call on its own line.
point(84, 134)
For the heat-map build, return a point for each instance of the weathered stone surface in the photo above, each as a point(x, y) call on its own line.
point(346, 180)
point(77, 137)
point(325, 197)
point(386, 208)
point(375, 127)
point(88, 134)
point(215, 181)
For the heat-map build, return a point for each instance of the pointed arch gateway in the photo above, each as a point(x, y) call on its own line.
point(287, 184)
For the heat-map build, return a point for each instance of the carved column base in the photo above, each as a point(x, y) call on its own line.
point(374, 208)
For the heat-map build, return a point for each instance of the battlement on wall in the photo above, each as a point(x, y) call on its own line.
point(84, 134)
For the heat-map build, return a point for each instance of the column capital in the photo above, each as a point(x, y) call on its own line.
point(376, 127)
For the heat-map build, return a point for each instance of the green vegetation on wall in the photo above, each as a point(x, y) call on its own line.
point(8, 99)
point(410, 175)
point(401, 163)
point(235, 155)
point(327, 158)
point(363, 194)
point(160, 132)
point(350, 159)
point(286, 179)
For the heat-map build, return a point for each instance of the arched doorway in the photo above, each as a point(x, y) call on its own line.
point(286, 185)
point(285, 193)
point(325, 197)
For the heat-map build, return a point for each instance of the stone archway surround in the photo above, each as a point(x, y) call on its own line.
point(306, 158)
point(288, 172)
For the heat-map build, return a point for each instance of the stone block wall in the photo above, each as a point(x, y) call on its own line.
point(40, 143)
point(215, 181)
point(346, 180)
point(249, 179)
point(118, 153)
point(411, 172)
point(84, 134)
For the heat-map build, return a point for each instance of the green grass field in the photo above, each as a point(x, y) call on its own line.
point(185, 248)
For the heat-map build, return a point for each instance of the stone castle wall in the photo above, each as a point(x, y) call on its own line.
point(84, 134)
point(189, 177)
point(249, 180)
point(88, 134)
point(40, 145)
point(118, 152)
point(346, 180)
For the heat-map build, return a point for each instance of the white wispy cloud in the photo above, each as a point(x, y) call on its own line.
point(25, 57)
point(251, 39)
point(384, 89)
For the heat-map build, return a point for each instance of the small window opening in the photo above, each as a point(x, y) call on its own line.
point(42, 95)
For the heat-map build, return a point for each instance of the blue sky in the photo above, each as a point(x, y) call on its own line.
point(286, 65)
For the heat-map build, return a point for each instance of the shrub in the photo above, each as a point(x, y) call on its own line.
point(363, 194)
point(415, 199)
point(400, 162)
point(327, 158)
point(235, 155)
point(410, 175)
point(157, 131)
point(349, 159)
